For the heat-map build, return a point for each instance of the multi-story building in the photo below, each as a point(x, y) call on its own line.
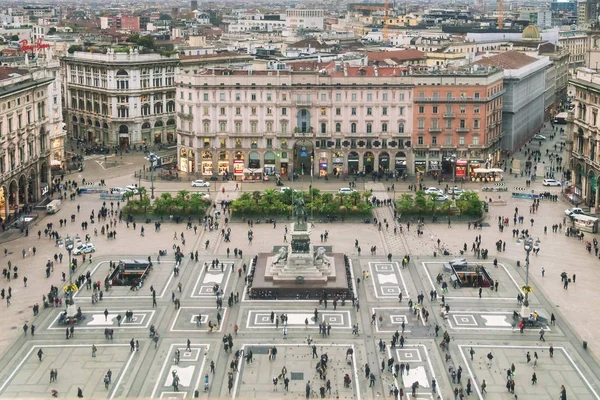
point(576, 43)
point(130, 23)
point(328, 119)
point(525, 94)
point(24, 140)
point(583, 163)
point(300, 18)
point(335, 119)
point(120, 98)
point(457, 116)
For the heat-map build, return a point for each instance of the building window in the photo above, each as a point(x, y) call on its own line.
point(384, 127)
point(419, 139)
point(369, 96)
point(269, 126)
point(475, 124)
point(476, 110)
point(338, 97)
point(353, 96)
point(253, 97)
point(369, 127)
point(206, 126)
point(434, 109)
point(222, 111)
point(269, 143)
point(401, 97)
point(434, 140)
point(338, 127)
point(400, 110)
point(401, 127)
point(476, 140)
point(353, 111)
point(222, 126)
point(205, 96)
point(353, 127)
point(323, 97)
point(269, 111)
point(384, 97)
point(253, 127)
point(284, 111)
point(323, 127)
point(284, 128)
point(369, 111)
point(238, 111)
point(384, 111)
point(268, 96)
point(421, 123)
point(461, 140)
point(448, 139)
point(421, 109)
point(463, 123)
point(238, 128)
point(323, 111)
point(338, 111)
point(253, 110)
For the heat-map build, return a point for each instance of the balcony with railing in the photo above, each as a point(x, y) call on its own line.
point(436, 129)
point(462, 129)
point(449, 115)
point(302, 103)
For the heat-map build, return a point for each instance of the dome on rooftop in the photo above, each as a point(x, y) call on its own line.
point(532, 32)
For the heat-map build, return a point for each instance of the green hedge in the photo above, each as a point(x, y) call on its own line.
point(274, 203)
point(185, 203)
point(468, 204)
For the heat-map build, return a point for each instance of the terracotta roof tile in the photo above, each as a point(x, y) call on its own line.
point(507, 60)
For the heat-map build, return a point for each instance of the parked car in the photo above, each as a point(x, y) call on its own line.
point(85, 248)
point(132, 188)
point(433, 190)
point(550, 182)
point(200, 183)
point(574, 211)
point(539, 137)
point(346, 190)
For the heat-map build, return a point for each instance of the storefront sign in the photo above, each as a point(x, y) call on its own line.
point(338, 160)
point(238, 167)
point(38, 45)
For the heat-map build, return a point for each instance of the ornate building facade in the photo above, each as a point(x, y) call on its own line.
point(330, 119)
point(120, 99)
point(24, 139)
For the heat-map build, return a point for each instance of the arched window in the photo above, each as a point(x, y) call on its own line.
point(338, 127)
point(401, 127)
point(353, 127)
point(384, 127)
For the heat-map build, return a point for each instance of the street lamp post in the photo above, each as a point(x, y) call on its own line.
point(453, 161)
point(528, 247)
point(69, 247)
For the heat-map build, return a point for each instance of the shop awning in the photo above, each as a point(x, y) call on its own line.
point(496, 170)
point(481, 170)
point(253, 170)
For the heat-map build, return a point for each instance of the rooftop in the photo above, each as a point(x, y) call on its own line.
point(507, 60)
point(9, 73)
point(397, 56)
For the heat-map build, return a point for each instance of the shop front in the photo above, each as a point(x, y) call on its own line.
point(269, 163)
point(223, 163)
point(338, 163)
point(400, 163)
point(461, 169)
point(475, 164)
point(187, 160)
point(238, 165)
point(323, 165)
point(384, 163)
point(352, 163)
point(368, 162)
point(253, 160)
point(207, 163)
point(284, 163)
point(420, 166)
point(434, 168)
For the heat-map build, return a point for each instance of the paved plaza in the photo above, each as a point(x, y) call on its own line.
point(187, 351)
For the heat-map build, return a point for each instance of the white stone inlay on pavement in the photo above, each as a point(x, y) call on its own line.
point(185, 375)
point(387, 278)
point(98, 320)
point(416, 374)
point(213, 278)
point(496, 320)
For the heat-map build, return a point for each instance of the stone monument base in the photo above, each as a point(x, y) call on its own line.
point(298, 277)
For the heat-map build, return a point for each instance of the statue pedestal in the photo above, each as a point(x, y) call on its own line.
point(300, 260)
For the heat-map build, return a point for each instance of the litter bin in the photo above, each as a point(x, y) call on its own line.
point(585, 344)
point(518, 263)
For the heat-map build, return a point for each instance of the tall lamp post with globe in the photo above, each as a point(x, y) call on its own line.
point(525, 308)
point(69, 246)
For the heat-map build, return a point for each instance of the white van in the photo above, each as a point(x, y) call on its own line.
point(53, 207)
